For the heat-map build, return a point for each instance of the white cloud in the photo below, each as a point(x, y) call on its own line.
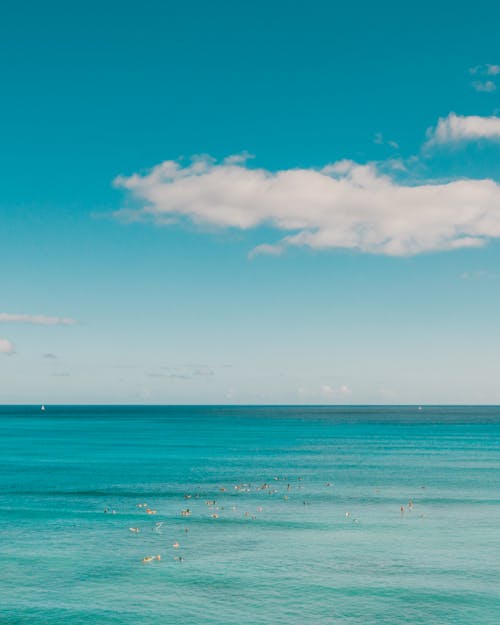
point(343, 205)
point(485, 70)
point(36, 319)
point(329, 392)
point(6, 347)
point(487, 86)
point(380, 140)
point(236, 159)
point(476, 275)
point(455, 128)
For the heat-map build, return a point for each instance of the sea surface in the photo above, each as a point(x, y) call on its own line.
point(297, 515)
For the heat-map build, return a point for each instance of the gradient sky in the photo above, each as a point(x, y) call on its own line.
point(372, 280)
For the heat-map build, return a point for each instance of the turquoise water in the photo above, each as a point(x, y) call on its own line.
point(313, 534)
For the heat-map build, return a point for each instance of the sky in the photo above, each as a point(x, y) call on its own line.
point(250, 203)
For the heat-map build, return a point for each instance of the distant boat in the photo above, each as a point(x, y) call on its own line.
point(420, 407)
point(42, 408)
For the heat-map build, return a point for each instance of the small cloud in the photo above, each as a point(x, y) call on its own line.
point(485, 72)
point(62, 374)
point(329, 392)
point(7, 347)
point(203, 371)
point(41, 320)
point(183, 372)
point(265, 249)
point(396, 164)
point(238, 159)
point(344, 390)
point(487, 86)
point(49, 356)
point(476, 275)
point(456, 128)
point(379, 140)
point(179, 376)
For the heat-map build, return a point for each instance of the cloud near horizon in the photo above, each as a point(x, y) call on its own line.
point(42, 320)
point(343, 205)
point(6, 347)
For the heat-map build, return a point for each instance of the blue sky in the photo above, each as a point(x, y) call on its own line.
point(350, 255)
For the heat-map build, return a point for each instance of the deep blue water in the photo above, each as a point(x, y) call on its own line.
point(313, 533)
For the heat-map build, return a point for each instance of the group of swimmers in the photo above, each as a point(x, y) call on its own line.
point(212, 504)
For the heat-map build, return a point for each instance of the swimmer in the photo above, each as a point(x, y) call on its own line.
point(136, 530)
point(176, 545)
point(158, 557)
point(402, 510)
point(147, 559)
point(215, 516)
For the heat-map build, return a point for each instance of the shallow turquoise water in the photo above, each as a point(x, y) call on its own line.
point(305, 553)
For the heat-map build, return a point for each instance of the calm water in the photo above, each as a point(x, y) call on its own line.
point(289, 550)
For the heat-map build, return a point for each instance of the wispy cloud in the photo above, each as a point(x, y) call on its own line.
point(379, 139)
point(42, 320)
point(183, 372)
point(484, 85)
point(329, 392)
point(485, 70)
point(342, 205)
point(7, 347)
point(480, 274)
point(487, 74)
point(455, 128)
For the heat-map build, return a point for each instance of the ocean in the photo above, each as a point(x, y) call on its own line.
point(292, 515)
